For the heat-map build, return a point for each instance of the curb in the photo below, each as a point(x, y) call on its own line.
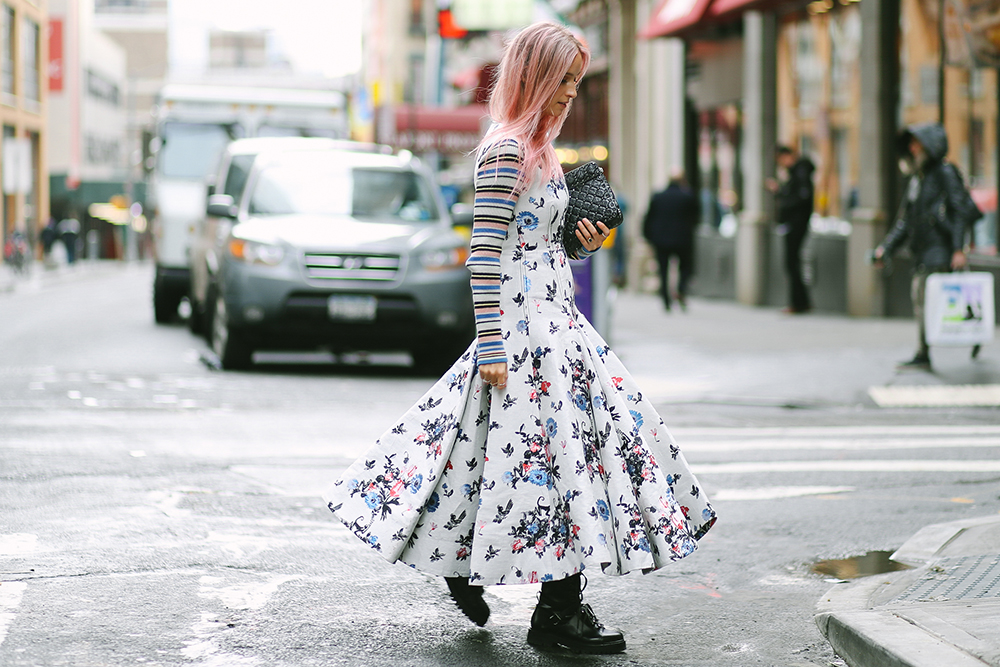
point(882, 639)
point(866, 630)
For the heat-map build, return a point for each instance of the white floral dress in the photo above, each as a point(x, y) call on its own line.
point(569, 467)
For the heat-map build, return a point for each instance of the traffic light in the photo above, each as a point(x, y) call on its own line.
point(447, 27)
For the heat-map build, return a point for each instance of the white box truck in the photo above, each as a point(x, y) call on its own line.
point(194, 124)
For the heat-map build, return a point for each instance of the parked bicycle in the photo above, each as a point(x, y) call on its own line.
point(16, 253)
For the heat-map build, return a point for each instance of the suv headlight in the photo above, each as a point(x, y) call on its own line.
point(443, 259)
point(256, 253)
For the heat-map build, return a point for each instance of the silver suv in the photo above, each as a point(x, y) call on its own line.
point(338, 249)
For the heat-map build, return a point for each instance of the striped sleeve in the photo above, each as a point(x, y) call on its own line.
point(497, 191)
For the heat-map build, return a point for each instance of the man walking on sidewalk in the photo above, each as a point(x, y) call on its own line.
point(669, 227)
point(933, 216)
point(795, 208)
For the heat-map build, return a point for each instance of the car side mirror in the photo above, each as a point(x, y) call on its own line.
point(461, 215)
point(221, 206)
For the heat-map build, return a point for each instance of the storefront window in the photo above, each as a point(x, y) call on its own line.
point(29, 54)
point(7, 50)
point(969, 102)
point(819, 97)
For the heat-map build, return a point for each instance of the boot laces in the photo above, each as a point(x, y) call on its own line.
point(589, 616)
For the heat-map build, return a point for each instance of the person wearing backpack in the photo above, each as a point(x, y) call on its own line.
point(933, 218)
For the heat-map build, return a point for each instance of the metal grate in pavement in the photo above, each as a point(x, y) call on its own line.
point(967, 395)
point(963, 578)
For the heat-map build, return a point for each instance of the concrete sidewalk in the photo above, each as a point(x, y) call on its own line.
point(943, 613)
point(721, 352)
point(40, 276)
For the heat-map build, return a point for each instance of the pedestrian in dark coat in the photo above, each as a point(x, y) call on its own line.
point(795, 208)
point(669, 226)
point(934, 214)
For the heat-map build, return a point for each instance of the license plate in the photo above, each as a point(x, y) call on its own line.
point(354, 308)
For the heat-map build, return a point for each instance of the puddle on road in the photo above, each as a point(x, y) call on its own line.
point(873, 562)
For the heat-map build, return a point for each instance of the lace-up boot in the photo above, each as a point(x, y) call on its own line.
point(562, 620)
point(469, 599)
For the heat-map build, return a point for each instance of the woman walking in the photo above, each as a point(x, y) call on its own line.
point(535, 456)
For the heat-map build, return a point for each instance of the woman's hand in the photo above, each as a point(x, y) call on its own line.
point(494, 374)
point(592, 237)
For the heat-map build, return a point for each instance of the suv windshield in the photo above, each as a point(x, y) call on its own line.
point(192, 150)
point(322, 184)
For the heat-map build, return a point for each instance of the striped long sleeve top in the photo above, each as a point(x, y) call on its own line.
point(497, 191)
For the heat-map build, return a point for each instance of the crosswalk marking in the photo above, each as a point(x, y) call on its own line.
point(835, 431)
point(11, 593)
point(876, 465)
point(970, 395)
point(776, 492)
point(815, 444)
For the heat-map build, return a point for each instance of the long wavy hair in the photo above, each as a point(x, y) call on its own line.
point(530, 72)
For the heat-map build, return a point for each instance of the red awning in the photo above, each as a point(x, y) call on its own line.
point(673, 17)
point(459, 119)
point(722, 8)
point(423, 129)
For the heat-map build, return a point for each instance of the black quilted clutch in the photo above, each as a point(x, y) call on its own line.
point(591, 197)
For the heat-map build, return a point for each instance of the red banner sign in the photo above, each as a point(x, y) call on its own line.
point(56, 64)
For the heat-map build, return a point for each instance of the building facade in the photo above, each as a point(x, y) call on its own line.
point(88, 152)
point(837, 80)
point(23, 104)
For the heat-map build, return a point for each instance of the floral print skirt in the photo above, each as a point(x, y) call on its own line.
point(569, 467)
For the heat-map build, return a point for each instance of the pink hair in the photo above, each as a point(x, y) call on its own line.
point(530, 72)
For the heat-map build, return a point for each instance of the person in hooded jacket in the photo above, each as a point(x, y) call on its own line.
point(795, 208)
point(932, 220)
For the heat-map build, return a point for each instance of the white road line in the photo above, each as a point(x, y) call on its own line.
point(11, 593)
point(17, 544)
point(245, 596)
point(738, 444)
point(204, 647)
point(918, 465)
point(776, 492)
point(833, 431)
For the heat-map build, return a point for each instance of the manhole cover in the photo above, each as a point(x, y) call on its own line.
point(962, 578)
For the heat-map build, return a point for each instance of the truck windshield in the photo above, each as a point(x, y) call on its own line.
point(192, 150)
point(328, 187)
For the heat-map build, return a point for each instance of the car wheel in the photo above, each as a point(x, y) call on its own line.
point(228, 343)
point(196, 320)
point(208, 316)
point(165, 304)
point(436, 359)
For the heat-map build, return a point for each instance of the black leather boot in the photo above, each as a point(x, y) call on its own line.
point(562, 620)
point(469, 599)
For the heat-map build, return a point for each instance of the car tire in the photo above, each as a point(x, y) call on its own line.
point(165, 305)
point(208, 318)
point(435, 359)
point(228, 343)
point(196, 320)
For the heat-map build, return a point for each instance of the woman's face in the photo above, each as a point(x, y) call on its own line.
point(567, 89)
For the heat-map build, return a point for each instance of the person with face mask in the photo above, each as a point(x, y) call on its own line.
point(932, 220)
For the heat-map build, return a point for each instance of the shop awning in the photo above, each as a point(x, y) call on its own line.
point(673, 17)
point(458, 119)
point(728, 8)
point(455, 130)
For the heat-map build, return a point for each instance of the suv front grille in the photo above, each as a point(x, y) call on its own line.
point(341, 266)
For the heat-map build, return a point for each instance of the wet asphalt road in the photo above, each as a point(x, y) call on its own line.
point(154, 511)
